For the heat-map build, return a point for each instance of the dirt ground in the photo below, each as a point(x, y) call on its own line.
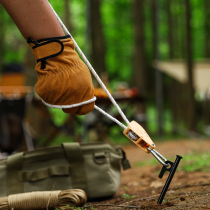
point(142, 187)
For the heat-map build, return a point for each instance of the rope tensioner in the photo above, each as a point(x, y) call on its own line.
point(133, 131)
point(139, 136)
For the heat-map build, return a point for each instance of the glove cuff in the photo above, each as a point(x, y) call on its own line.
point(45, 49)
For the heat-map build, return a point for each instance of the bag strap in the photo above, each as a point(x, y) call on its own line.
point(76, 160)
point(14, 167)
point(124, 162)
point(32, 176)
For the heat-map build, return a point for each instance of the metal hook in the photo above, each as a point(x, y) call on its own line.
point(159, 157)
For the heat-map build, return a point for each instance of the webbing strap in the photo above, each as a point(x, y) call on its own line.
point(47, 49)
point(14, 167)
point(33, 176)
point(76, 160)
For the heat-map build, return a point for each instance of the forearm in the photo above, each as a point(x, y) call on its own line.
point(34, 18)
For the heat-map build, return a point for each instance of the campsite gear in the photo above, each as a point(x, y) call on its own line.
point(14, 98)
point(141, 137)
point(172, 170)
point(47, 199)
point(63, 78)
point(94, 168)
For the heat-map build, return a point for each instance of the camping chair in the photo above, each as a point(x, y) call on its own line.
point(13, 100)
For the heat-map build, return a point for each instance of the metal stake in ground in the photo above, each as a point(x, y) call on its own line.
point(170, 176)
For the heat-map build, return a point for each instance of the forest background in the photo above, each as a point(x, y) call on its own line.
point(124, 38)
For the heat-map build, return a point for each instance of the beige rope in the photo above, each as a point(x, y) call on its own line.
point(73, 197)
point(40, 200)
point(31, 200)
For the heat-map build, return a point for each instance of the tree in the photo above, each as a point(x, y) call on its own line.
point(2, 35)
point(189, 62)
point(207, 28)
point(170, 29)
point(139, 74)
point(156, 57)
point(97, 38)
point(67, 14)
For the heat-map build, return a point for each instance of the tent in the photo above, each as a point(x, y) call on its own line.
point(177, 69)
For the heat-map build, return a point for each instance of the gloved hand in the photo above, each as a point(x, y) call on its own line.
point(63, 78)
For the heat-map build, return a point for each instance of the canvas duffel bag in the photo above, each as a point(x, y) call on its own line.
point(94, 168)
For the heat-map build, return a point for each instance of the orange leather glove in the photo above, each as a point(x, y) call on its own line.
point(63, 78)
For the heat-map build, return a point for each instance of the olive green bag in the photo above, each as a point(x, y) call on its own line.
point(95, 168)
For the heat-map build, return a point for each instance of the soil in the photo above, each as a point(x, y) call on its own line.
point(140, 186)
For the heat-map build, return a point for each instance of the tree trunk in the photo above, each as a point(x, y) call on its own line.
point(176, 49)
point(174, 96)
point(170, 30)
point(87, 46)
point(206, 103)
point(139, 77)
point(139, 74)
point(154, 28)
point(189, 62)
point(207, 28)
point(67, 18)
point(181, 6)
point(206, 111)
point(158, 73)
point(2, 35)
point(97, 38)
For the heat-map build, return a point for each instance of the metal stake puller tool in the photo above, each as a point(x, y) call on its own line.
point(133, 131)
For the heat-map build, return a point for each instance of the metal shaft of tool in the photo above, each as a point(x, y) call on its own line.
point(159, 157)
point(170, 177)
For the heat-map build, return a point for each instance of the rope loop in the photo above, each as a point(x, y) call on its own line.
point(69, 106)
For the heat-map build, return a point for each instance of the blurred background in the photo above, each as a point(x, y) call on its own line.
point(153, 56)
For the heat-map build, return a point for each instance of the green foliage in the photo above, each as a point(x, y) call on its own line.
point(195, 161)
point(198, 27)
point(58, 116)
point(12, 42)
point(152, 161)
point(128, 197)
point(61, 138)
point(152, 122)
point(118, 30)
point(78, 18)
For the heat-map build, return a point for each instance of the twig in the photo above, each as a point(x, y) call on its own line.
point(139, 199)
point(190, 185)
point(97, 205)
point(50, 196)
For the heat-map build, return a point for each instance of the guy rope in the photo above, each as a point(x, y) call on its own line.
point(133, 130)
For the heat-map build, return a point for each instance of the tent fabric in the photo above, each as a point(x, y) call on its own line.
point(177, 69)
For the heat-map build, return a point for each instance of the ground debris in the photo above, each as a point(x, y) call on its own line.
point(182, 198)
point(191, 190)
